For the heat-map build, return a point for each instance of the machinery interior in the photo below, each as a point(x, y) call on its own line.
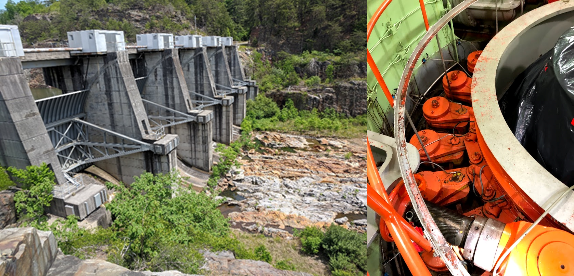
point(471, 137)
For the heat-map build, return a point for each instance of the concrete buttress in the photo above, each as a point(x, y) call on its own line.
point(24, 140)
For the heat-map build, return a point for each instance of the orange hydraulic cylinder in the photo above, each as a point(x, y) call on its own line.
point(404, 244)
point(471, 60)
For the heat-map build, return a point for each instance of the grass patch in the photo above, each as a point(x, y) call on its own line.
point(286, 254)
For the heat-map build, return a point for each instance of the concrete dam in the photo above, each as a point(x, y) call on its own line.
point(126, 109)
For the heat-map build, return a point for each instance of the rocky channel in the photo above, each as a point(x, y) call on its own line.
point(292, 182)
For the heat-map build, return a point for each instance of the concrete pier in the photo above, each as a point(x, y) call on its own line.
point(224, 81)
point(223, 116)
point(238, 73)
point(201, 137)
point(165, 84)
point(24, 140)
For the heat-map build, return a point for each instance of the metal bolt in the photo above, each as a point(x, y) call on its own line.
point(435, 103)
point(476, 156)
point(454, 75)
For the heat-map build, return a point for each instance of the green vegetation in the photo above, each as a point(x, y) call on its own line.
point(346, 250)
point(5, 181)
point(285, 265)
point(263, 254)
point(337, 25)
point(228, 156)
point(311, 238)
point(158, 225)
point(313, 81)
point(279, 72)
point(36, 185)
point(264, 114)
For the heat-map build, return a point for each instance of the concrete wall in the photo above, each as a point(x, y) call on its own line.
point(165, 83)
point(197, 72)
point(234, 63)
point(126, 167)
point(114, 101)
point(221, 71)
point(201, 138)
point(219, 66)
point(23, 137)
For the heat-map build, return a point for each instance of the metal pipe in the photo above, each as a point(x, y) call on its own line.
point(385, 210)
point(406, 247)
point(379, 78)
point(375, 181)
point(375, 18)
point(42, 50)
point(441, 246)
point(424, 11)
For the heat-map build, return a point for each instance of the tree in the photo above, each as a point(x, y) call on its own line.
point(37, 183)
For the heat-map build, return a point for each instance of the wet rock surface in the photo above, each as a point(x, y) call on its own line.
point(311, 184)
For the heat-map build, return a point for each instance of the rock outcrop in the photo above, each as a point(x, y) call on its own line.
point(31, 252)
point(224, 264)
point(26, 251)
point(349, 98)
point(7, 209)
point(66, 265)
point(295, 182)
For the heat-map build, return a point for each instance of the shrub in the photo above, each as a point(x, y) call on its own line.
point(339, 242)
point(330, 72)
point(340, 262)
point(5, 181)
point(313, 81)
point(348, 155)
point(262, 107)
point(37, 184)
point(263, 254)
point(311, 238)
point(289, 111)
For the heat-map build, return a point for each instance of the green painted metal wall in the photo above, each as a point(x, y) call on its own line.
point(392, 41)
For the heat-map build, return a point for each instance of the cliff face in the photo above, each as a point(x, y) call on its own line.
point(349, 98)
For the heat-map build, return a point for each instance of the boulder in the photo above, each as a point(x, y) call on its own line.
point(26, 251)
point(7, 209)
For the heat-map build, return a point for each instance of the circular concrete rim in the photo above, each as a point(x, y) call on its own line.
point(541, 186)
